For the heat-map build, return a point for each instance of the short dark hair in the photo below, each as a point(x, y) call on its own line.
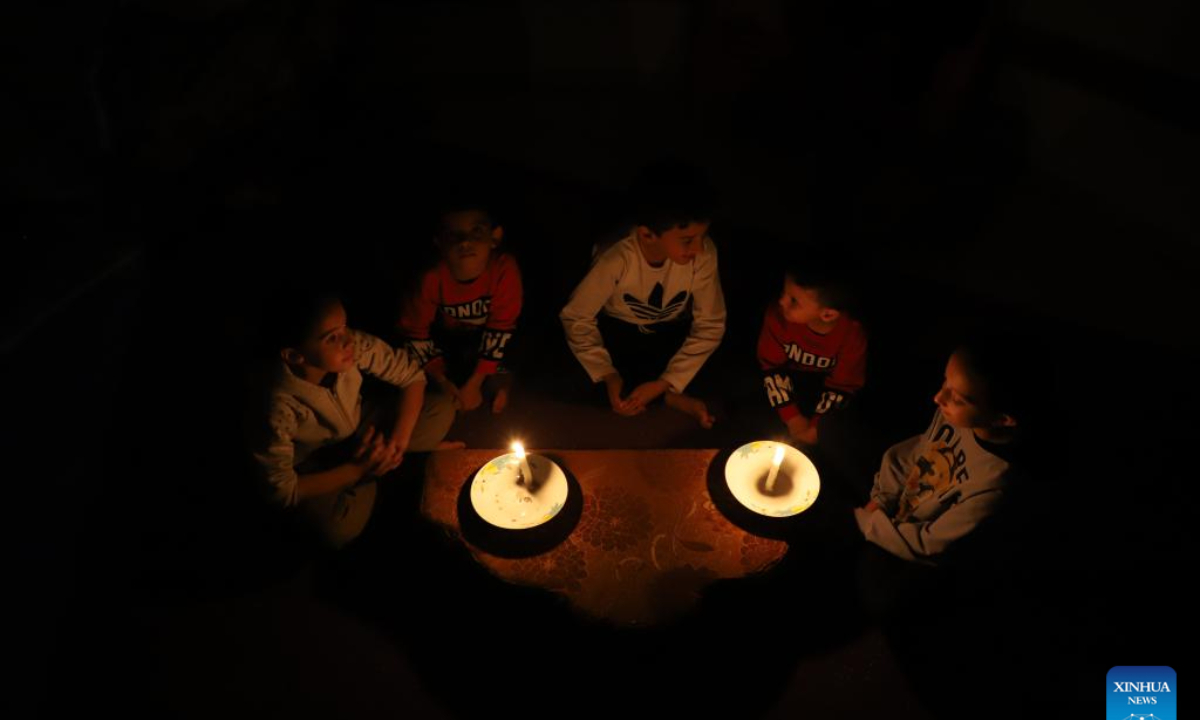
point(476, 191)
point(460, 203)
point(670, 194)
point(824, 271)
point(294, 315)
point(1002, 361)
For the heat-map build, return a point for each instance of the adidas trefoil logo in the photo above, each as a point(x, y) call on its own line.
point(653, 309)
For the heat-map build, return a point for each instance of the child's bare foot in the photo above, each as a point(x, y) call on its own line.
point(451, 445)
point(692, 406)
point(500, 401)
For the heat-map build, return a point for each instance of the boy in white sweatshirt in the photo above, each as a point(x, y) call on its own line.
point(650, 311)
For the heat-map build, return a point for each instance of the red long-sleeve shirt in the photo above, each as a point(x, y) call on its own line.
point(805, 372)
point(492, 300)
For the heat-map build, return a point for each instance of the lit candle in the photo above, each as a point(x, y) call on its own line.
point(774, 468)
point(526, 472)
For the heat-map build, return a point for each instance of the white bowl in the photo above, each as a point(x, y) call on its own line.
point(796, 486)
point(501, 501)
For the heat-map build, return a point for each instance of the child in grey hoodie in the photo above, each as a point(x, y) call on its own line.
point(933, 489)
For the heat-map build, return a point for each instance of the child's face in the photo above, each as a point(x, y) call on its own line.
point(960, 399)
point(801, 305)
point(466, 240)
point(682, 245)
point(330, 348)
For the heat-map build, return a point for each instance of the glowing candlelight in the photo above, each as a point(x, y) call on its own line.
point(526, 472)
point(774, 468)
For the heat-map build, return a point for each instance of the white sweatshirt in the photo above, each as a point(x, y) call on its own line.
point(304, 416)
point(625, 287)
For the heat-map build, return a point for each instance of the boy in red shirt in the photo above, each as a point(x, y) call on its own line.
point(460, 323)
point(812, 353)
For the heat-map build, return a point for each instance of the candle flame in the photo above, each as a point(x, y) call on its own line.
point(519, 449)
point(778, 455)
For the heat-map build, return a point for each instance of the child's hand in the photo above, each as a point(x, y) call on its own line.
point(500, 401)
point(643, 394)
point(614, 384)
point(802, 431)
point(470, 395)
point(862, 518)
point(395, 455)
point(862, 515)
point(372, 454)
point(451, 390)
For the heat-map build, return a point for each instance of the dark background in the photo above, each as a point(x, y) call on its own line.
point(163, 162)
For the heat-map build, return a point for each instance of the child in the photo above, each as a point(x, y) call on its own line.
point(650, 311)
point(812, 353)
point(460, 323)
point(936, 488)
point(315, 404)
